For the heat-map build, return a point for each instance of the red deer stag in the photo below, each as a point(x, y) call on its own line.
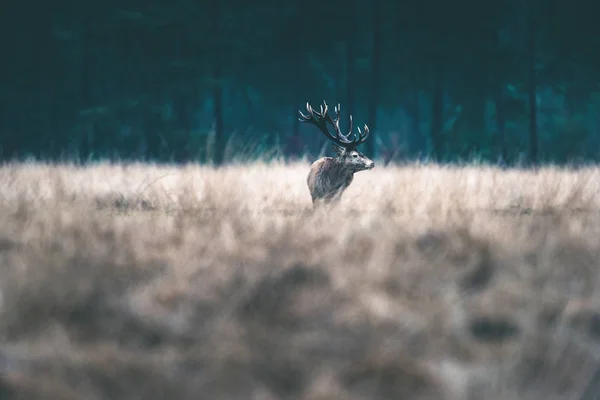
point(330, 176)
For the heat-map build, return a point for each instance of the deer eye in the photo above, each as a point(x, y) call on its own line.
point(354, 155)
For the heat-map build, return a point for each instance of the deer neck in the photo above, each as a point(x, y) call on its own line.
point(342, 168)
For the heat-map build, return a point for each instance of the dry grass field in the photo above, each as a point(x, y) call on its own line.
point(146, 282)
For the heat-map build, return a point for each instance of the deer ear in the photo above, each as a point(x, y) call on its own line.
point(338, 149)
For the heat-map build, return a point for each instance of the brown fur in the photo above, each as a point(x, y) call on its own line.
point(327, 180)
point(330, 176)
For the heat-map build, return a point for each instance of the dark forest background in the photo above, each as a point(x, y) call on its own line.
point(207, 80)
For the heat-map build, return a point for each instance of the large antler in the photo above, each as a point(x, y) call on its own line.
point(321, 119)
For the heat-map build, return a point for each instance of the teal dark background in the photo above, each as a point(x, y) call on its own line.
point(512, 81)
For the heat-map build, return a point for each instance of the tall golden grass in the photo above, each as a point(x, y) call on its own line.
point(427, 282)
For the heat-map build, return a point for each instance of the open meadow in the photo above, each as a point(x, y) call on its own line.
point(427, 282)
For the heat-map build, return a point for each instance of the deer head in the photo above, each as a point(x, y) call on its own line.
point(342, 144)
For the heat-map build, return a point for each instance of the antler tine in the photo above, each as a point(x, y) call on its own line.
point(306, 118)
point(350, 130)
point(336, 121)
point(337, 112)
point(326, 117)
point(336, 125)
point(363, 137)
point(321, 119)
point(345, 138)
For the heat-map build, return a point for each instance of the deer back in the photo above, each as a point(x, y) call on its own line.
point(328, 177)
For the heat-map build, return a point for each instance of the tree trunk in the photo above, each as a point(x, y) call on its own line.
point(220, 140)
point(418, 138)
point(45, 147)
point(294, 143)
point(533, 134)
point(375, 73)
point(86, 94)
point(501, 126)
point(437, 112)
point(181, 106)
point(478, 111)
point(350, 57)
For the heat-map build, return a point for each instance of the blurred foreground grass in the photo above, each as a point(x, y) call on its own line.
point(428, 282)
